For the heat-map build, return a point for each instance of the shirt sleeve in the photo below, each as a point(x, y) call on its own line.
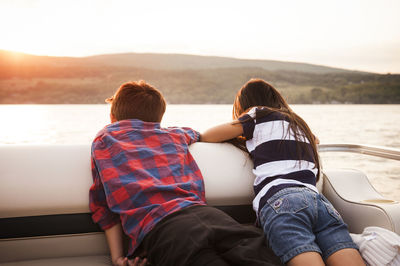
point(248, 124)
point(101, 214)
point(191, 135)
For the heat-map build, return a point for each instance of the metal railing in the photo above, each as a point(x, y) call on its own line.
point(384, 152)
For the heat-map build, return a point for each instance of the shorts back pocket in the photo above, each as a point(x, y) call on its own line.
point(289, 203)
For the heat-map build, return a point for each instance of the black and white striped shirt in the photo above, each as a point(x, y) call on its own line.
point(277, 161)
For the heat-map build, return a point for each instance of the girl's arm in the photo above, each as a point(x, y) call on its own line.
point(222, 132)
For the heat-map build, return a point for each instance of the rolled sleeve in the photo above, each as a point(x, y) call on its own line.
point(191, 135)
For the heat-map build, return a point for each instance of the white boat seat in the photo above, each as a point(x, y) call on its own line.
point(100, 260)
point(359, 204)
point(44, 214)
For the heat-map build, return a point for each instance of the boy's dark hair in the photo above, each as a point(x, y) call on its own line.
point(137, 100)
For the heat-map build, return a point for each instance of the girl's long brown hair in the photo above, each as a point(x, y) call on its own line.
point(258, 93)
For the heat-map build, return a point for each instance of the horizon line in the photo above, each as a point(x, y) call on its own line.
point(200, 55)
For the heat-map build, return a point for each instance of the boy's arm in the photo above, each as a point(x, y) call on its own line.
point(109, 222)
point(222, 132)
point(114, 239)
point(114, 236)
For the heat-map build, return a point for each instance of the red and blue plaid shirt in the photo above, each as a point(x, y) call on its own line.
point(141, 174)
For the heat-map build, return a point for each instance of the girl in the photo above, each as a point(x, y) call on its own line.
point(301, 226)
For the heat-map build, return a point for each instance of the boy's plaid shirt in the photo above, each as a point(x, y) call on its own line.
point(141, 174)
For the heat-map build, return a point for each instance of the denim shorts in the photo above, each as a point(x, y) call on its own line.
point(297, 220)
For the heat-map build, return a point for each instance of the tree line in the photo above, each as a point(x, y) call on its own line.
point(83, 84)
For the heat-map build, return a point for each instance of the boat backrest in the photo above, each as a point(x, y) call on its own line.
point(45, 219)
point(55, 179)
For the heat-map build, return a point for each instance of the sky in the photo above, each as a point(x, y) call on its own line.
point(352, 34)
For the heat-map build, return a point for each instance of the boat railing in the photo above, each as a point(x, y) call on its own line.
point(379, 151)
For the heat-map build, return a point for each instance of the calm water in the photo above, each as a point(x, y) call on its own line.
point(363, 124)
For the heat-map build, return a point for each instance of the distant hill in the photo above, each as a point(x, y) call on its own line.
point(166, 62)
point(182, 79)
point(182, 62)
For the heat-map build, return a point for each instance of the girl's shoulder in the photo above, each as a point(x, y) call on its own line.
point(252, 112)
point(263, 114)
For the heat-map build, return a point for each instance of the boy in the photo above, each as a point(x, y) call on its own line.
point(146, 183)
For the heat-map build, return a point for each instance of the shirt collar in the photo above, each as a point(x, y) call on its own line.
point(133, 124)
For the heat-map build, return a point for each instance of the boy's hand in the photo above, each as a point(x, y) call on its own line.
point(123, 261)
point(137, 262)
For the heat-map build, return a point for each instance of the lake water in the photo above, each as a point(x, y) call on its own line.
point(360, 124)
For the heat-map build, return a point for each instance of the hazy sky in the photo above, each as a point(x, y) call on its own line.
point(352, 34)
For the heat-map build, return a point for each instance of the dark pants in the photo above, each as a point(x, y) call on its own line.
point(203, 235)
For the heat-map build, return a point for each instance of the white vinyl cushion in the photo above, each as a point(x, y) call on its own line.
point(101, 260)
point(55, 179)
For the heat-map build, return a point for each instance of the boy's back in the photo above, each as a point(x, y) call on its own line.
point(145, 172)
